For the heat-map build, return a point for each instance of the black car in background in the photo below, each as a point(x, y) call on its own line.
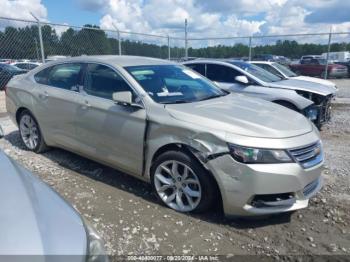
point(7, 72)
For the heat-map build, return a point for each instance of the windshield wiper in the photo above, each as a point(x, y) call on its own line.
point(211, 97)
point(177, 102)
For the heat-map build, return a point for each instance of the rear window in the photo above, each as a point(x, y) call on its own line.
point(42, 76)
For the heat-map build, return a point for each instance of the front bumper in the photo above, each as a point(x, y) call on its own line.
point(323, 111)
point(340, 73)
point(262, 189)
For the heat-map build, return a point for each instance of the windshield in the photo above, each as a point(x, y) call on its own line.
point(10, 68)
point(285, 70)
point(170, 84)
point(258, 72)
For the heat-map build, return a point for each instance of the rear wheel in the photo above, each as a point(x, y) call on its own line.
point(181, 183)
point(30, 133)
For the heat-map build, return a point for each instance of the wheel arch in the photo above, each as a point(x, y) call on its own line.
point(193, 153)
point(19, 112)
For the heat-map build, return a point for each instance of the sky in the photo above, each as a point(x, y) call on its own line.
point(206, 18)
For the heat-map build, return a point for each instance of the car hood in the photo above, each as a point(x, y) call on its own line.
point(315, 80)
point(295, 84)
point(244, 116)
point(35, 220)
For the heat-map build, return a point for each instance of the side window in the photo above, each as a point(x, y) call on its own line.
point(65, 76)
point(42, 76)
point(270, 69)
point(306, 61)
point(314, 62)
point(221, 73)
point(102, 81)
point(31, 66)
point(200, 68)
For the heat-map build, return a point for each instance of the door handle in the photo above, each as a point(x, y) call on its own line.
point(44, 95)
point(86, 105)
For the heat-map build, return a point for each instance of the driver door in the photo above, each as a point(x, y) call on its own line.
point(109, 132)
point(225, 77)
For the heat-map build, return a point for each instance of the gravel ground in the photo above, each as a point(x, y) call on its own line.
point(128, 216)
point(343, 87)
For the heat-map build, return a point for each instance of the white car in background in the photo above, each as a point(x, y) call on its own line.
point(286, 73)
point(26, 65)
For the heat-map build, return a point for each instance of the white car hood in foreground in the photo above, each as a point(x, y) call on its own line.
point(244, 116)
point(295, 84)
point(315, 80)
point(34, 220)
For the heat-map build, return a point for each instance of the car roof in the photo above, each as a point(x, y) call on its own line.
point(262, 62)
point(121, 61)
point(208, 60)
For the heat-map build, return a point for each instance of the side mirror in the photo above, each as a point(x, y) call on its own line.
point(1, 132)
point(124, 97)
point(242, 79)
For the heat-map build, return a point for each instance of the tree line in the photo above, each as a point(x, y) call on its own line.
point(23, 43)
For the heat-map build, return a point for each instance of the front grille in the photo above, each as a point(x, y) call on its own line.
point(308, 156)
point(310, 188)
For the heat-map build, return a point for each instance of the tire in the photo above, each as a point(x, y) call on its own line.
point(30, 133)
point(197, 191)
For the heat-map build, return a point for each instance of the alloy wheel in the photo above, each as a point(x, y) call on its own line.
point(178, 186)
point(29, 132)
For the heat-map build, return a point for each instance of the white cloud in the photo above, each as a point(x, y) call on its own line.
point(168, 16)
point(22, 8)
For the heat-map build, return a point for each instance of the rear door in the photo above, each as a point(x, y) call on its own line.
point(110, 132)
point(57, 102)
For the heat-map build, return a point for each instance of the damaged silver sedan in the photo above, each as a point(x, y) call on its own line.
point(164, 123)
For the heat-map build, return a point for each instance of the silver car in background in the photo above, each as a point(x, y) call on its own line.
point(166, 124)
point(285, 73)
point(311, 99)
point(35, 220)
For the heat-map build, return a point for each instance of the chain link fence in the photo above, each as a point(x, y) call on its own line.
point(35, 40)
point(39, 41)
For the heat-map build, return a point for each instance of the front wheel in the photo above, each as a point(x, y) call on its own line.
point(30, 133)
point(182, 183)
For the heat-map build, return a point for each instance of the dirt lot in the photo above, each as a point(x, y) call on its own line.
point(127, 215)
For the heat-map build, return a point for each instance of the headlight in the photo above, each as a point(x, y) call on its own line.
point(249, 155)
point(311, 113)
point(96, 250)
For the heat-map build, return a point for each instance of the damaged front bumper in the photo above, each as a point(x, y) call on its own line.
point(321, 111)
point(262, 189)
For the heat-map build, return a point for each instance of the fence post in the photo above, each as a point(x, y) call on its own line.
point(40, 39)
point(329, 49)
point(119, 43)
point(169, 55)
point(186, 42)
point(119, 39)
point(250, 48)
